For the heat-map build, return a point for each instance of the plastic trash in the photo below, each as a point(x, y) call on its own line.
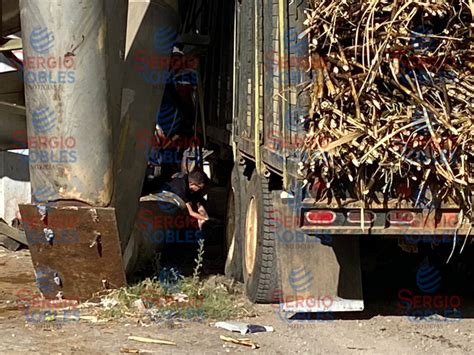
point(243, 328)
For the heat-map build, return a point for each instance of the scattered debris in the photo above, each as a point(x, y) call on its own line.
point(108, 302)
point(138, 304)
point(243, 328)
point(215, 298)
point(152, 341)
point(241, 341)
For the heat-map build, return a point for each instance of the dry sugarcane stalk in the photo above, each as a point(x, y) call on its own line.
point(392, 98)
point(151, 341)
point(241, 341)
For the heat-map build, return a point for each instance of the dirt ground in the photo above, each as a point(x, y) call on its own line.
point(374, 331)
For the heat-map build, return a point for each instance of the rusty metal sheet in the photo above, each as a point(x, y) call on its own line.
point(83, 255)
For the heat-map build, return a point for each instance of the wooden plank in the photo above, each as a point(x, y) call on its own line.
point(13, 233)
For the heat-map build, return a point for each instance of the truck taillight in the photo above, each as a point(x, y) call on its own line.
point(320, 217)
point(401, 217)
point(355, 217)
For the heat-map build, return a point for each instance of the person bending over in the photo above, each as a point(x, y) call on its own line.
point(188, 187)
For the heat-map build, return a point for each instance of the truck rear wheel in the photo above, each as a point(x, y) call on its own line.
point(259, 249)
point(234, 229)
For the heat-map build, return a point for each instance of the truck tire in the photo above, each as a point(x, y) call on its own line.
point(234, 227)
point(259, 246)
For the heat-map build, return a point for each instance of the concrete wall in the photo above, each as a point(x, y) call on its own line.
point(15, 187)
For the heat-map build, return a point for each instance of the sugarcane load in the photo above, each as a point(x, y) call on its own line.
point(392, 101)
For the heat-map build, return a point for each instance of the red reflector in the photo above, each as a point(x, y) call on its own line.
point(320, 217)
point(355, 217)
point(401, 217)
point(450, 220)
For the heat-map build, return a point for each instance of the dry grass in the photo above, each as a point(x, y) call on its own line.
point(179, 298)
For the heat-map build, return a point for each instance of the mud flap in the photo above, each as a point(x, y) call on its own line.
point(75, 250)
point(317, 273)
